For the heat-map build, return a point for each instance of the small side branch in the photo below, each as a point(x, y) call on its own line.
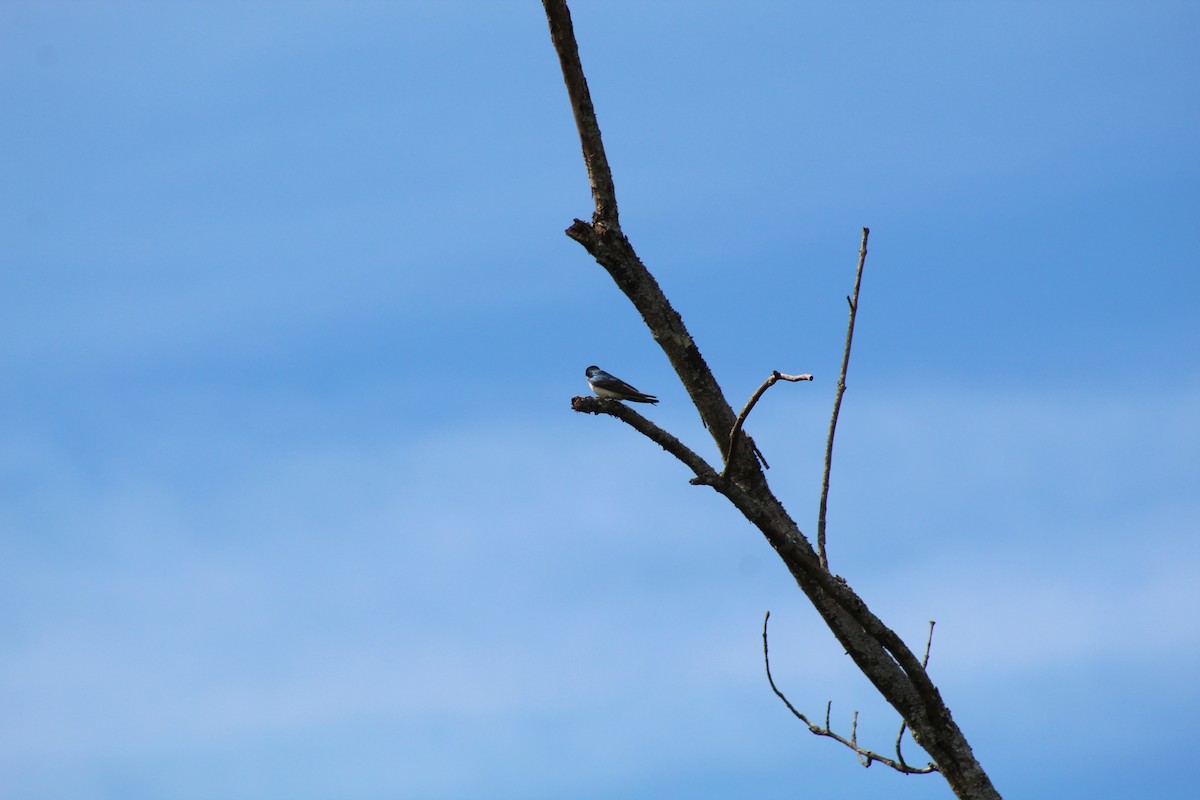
point(837, 401)
point(705, 474)
point(924, 664)
point(776, 375)
point(865, 757)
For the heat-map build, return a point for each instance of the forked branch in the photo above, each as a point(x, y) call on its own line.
point(611, 249)
point(865, 757)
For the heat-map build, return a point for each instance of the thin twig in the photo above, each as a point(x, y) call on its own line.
point(776, 375)
point(837, 401)
point(865, 756)
point(924, 664)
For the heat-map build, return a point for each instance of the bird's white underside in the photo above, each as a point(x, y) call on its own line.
point(602, 392)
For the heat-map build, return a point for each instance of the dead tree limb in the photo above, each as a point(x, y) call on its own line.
point(877, 651)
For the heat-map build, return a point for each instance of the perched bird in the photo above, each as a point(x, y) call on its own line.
point(605, 385)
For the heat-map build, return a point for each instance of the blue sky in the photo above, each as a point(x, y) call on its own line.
point(292, 503)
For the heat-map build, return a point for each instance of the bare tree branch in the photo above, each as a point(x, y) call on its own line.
point(837, 401)
point(875, 649)
point(865, 756)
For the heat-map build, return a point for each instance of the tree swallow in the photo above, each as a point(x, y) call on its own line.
point(605, 385)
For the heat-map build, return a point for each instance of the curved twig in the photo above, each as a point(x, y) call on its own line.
point(776, 375)
point(924, 665)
